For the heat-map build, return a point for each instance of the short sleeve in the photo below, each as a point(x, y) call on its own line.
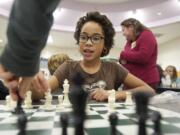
point(121, 73)
point(62, 72)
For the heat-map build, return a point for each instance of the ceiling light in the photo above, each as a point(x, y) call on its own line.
point(137, 14)
point(159, 13)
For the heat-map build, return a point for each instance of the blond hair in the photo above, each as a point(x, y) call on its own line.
point(55, 61)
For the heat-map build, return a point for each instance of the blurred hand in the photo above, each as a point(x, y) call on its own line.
point(39, 83)
point(14, 83)
point(99, 95)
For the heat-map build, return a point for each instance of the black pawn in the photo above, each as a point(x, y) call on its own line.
point(22, 122)
point(78, 98)
point(64, 123)
point(113, 118)
point(19, 109)
point(142, 99)
point(156, 118)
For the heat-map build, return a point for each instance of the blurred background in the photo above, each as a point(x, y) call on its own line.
point(161, 16)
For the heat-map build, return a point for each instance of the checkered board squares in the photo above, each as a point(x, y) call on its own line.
point(47, 122)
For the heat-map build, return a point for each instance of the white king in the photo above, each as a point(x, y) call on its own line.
point(66, 101)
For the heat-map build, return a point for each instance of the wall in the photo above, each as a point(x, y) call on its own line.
point(169, 54)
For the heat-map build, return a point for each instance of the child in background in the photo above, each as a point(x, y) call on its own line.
point(171, 73)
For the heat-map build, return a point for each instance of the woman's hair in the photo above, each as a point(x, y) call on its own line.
point(174, 76)
point(106, 25)
point(161, 72)
point(55, 61)
point(137, 25)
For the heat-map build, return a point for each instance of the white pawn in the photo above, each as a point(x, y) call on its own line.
point(66, 101)
point(10, 104)
point(129, 100)
point(48, 98)
point(60, 101)
point(48, 101)
point(28, 100)
point(111, 101)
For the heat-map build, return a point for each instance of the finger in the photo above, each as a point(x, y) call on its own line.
point(43, 82)
point(13, 95)
point(94, 91)
point(13, 84)
point(36, 84)
point(97, 96)
point(24, 85)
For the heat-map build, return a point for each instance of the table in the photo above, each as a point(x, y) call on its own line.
point(162, 89)
point(47, 122)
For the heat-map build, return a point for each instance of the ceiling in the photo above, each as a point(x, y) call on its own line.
point(162, 16)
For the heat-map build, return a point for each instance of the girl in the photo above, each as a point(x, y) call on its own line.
point(94, 35)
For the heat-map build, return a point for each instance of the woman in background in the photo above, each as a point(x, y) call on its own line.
point(140, 52)
point(172, 72)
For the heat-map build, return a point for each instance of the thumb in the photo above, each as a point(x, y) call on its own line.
point(24, 85)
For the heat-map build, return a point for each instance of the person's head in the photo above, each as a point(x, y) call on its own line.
point(94, 34)
point(171, 71)
point(55, 61)
point(131, 28)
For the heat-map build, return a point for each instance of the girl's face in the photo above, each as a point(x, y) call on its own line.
point(91, 41)
point(169, 71)
point(128, 32)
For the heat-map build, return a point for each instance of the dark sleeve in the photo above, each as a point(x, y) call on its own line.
point(29, 25)
point(147, 44)
point(62, 72)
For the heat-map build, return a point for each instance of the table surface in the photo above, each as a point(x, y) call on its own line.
point(42, 122)
point(162, 89)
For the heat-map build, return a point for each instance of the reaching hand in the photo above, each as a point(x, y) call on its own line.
point(14, 83)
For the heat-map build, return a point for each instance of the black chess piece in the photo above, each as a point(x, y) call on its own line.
point(142, 100)
point(18, 109)
point(113, 118)
point(22, 122)
point(64, 123)
point(156, 118)
point(78, 98)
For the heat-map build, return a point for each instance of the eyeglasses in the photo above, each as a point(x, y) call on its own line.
point(95, 39)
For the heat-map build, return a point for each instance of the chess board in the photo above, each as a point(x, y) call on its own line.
point(47, 122)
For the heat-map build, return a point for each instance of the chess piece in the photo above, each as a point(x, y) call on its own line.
point(22, 122)
point(129, 100)
point(142, 99)
point(64, 123)
point(111, 101)
point(156, 117)
point(78, 98)
point(8, 103)
point(60, 101)
point(113, 122)
point(18, 109)
point(48, 101)
point(28, 100)
point(66, 101)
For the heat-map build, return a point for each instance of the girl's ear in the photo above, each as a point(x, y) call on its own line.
point(104, 52)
